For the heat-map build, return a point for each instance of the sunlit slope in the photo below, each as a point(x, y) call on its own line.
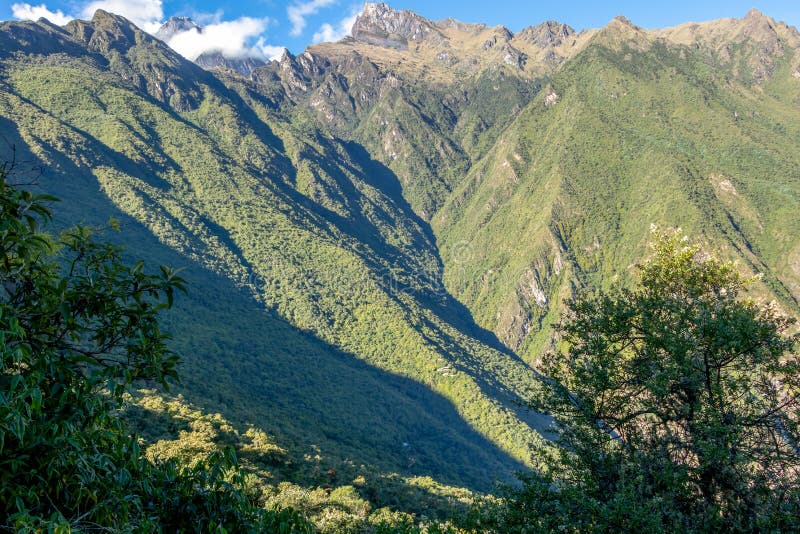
point(395, 219)
point(310, 231)
point(633, 131)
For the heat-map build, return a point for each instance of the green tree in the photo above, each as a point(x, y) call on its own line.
point(77, 327)
point(676, 406)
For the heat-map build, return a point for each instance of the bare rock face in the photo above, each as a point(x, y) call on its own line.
point(547, 34)
point(298, 74)
point(293, 73)
point(501, 38)
point(760, 33)
point(551, 98)
point(513, 57)
point(242, 65)
point(174, 26)
point(381, 25)
point(761, 30)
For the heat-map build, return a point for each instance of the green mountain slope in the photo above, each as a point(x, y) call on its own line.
point(636, 131)
point(425, 98)
point(543, 176)
point(379, 232)
point(311, 318)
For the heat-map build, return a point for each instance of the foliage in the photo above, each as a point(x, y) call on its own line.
point(335, 497)
point(78, 326)
point(677, 408)
point(299, 200)
point(315, 271)
point(578, 179)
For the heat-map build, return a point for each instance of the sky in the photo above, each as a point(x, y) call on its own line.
point(262, 28)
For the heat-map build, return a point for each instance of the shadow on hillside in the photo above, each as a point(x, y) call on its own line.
point(438, 299)
point(431, 293)
point(458, 351)
point(423, 454)
point(253, 367)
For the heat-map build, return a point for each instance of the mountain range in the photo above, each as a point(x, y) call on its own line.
point(379, 233)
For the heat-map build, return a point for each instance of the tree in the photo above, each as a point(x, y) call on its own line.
point(676, 407)
point(77, 327)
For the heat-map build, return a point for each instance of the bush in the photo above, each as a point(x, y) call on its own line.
point(676, 406)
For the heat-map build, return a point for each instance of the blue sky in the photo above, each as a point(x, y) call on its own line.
point(265, 26)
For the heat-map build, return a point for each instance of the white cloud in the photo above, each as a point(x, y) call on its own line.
point(230, 38)
point(271, 52)
point(326, 33)
point(147, 14)
point(233, 38)
point(297, 13)
point(29, 12)
point(329, 33)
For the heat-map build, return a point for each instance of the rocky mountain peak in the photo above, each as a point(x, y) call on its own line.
point(759, 26)
point(103, 20)
point(621, 32)
point(754, 43)
point(243, 65)
point(286, 57)
point(110, 31)
point(383, 26)
point(546, 34)
point(621, 27)
point(754, 15)
point(621, 21)
point(176, 25)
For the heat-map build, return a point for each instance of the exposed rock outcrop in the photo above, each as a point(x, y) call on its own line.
point(243, 65)
point(547, 34)
point(381, 25)
point(174, 26)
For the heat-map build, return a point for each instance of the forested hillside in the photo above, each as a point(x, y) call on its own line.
point(127, 129)
point(378, 234)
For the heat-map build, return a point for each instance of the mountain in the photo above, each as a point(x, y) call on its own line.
point(585, 127)
point(640, 128)
point(317, 311)
point(379, 233)
point(215, 60)
point(175, 26)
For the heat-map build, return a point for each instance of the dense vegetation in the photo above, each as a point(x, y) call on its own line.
point(641, 133)
point(80, 450)
point(379, 240)
point(315, 271)
point(677, 409)
point(675, 405)
point(72, 344)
